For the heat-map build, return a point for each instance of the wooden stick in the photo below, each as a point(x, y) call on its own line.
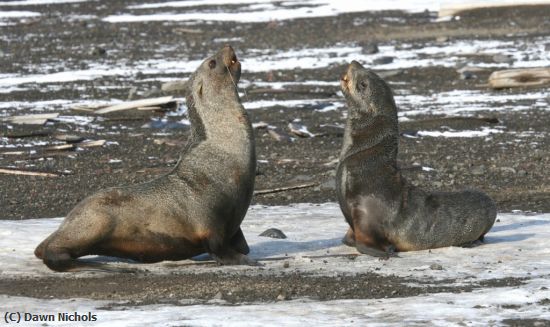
point(454, 9)
point(519, 78)
point(38, 119)
point(25, 135)
point(285, 188)
point(136, 104)
point(26, 173)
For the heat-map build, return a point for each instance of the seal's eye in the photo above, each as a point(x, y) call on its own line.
point(212, 64)
point(362, 85)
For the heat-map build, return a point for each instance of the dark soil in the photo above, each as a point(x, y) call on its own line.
point(175, 288)
point(513, 171)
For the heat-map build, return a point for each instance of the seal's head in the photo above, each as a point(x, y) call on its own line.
point(366, 93)
point(216, 74)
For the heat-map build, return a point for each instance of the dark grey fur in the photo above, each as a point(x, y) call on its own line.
point(384, 211)
point(196, 208)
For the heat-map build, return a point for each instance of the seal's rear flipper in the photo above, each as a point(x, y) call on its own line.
point(349, 238)
point(62, 261)
point(389, 253)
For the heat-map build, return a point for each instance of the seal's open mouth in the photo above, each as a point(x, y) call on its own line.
point(346, 80)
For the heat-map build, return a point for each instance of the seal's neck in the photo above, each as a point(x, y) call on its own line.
point(220, 120)
point(371, 136)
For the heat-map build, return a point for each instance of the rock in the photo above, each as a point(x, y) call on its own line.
point(369, 48)
point(383, 60)
point(218, 296)
point(260, 125)
point(466, 74)
point(281, 297)
point(436, 266)
point(279, 136)
point(478, 170)
point(522, 173)
point(508, 170)
point(97, 51)
point(273, 233)
point(132, 93)
point(501, 58)
point(286, 264)
point(299, 130)
point(442, 39)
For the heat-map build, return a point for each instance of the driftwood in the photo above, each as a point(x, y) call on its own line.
point(25, 135)
point(26, 173)
point(136, 104)
point(455, 8)
point(37, 119)
point(285, 188)
point(91, 144)
point(519, 78)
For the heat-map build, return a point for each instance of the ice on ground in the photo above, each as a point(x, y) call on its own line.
point(517, 246)
point(36, 2)
point(268, 10)
point(481, 133)
point(261, 60)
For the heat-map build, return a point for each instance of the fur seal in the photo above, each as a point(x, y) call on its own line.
point(196, 208)
point(385, 212)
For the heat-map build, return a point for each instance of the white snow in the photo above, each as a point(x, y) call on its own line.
point(483, 132)
point(517, 246)
point(266, 10)
point(261, 60)
point(36, 2)
point(17, 14)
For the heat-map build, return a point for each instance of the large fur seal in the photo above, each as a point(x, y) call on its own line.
point(196, 208)
point(384, 211)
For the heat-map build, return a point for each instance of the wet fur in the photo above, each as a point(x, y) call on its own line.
point(196, 208)
point(385, 212)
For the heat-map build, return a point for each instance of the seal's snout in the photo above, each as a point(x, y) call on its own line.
point(229, 56)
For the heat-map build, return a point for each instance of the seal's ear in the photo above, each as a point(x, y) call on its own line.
point(200, 88)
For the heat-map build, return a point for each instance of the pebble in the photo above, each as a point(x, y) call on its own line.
point(436, 266)
point(299, 130)
point(383, 60)
point(501, 58)
point(369, 48)
point(98, 51)
point(218, 296)
point(279, 136)
point(508, 170)
point(273, 233)
point(466, 74)
point(478, 170)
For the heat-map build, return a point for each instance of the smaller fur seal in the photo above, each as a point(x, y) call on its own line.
point(196, 208)
point(385, 212)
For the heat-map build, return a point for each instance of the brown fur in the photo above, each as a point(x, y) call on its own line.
point(384, 211)
point(196, 208)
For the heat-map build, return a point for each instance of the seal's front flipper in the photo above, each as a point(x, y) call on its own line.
point(234, 258)
point(472, 244)
point(239, 242)
point(349, 238)
point(383, 255)
point(224, 254)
